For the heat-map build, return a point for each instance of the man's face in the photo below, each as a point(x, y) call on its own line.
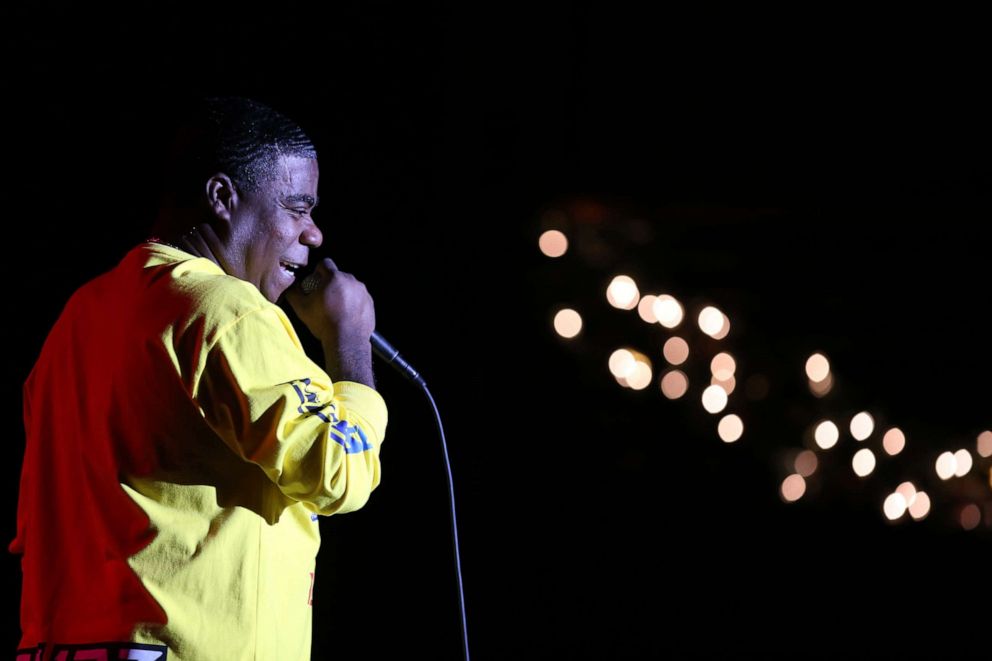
point(271, 228)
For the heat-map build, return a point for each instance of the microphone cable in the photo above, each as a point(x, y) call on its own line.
point(390, 355)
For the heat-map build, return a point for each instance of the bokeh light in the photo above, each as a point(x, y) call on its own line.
point(710, 320)
point(724, 328)
point(946, 465)
point(676, 350)
point(894, 441)
point(984, 444)
point(793, 488)
point(568, 323)
point(674, 384)
point(822, 388)
point(728, 385)
point(806, 463)
point(622, 362)
point(920, 506)
point(731, 428)
point(908, 491)
point(668, 311)
point(826, 434)
point(640, 377)
point(894, 506)
point(723, 366)
point(971, 516)
point(862, 425)
point(635, 371)
point(962, 463)
point(622, 293)
point(553, 243)
point(863, 462)
point(714, 399)
point(646, 308)
point(817, 367)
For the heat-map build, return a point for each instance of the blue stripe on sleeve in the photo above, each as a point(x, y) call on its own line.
point(351, 437)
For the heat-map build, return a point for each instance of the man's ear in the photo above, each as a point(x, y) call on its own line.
point(222, 195)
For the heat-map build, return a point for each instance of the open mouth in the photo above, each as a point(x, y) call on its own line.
point(290, 268)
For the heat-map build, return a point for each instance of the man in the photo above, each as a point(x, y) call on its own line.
point(180, 444)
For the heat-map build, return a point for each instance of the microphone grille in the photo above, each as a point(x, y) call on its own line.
point(309, 283)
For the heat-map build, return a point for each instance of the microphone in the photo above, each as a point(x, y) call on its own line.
point(380, 346)
point(386, 352)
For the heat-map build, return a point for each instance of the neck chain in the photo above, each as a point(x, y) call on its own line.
point(155, 239)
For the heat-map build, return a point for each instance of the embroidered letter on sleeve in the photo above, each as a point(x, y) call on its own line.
point(351, 437)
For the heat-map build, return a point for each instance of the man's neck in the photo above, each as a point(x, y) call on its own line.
point(198, 238)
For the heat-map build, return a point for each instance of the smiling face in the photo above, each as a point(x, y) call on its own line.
point(271, 229)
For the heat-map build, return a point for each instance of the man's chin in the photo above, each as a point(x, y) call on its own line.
point(275, 294)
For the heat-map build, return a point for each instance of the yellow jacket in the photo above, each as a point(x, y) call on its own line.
point(180, 446)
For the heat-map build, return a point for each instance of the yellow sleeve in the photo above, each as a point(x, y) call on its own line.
point(317, 441)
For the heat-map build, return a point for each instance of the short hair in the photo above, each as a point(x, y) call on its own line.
point(240, 137)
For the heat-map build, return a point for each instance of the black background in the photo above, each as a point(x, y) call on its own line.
point(825, 179)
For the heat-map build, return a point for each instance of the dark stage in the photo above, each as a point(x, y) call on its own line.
point(829, 193)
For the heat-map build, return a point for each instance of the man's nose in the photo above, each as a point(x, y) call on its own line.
point(312, 236)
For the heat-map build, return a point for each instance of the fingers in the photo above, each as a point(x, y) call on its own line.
point(327, 264)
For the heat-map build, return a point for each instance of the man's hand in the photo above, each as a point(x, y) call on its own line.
point(341, 314)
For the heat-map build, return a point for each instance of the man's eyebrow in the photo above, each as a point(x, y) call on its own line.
point(302, 197)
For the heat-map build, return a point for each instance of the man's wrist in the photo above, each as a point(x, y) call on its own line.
point(349, 363)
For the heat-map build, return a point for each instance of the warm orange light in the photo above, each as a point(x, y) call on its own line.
point(908, 491)
point(674, 384)
point(894, 441)
point(894, 506)
point(863, 462)
point(962, 463)
point(568, 323)
point(826, 434)
point(817, 367)
point(632, 369)
point(728, 385)
point(946, 465)
point(676, 350)
point(724, 329)
point(622, 293)
point(668, 311)
point(714, 399)
point(731, 428)
point(984, 444)
point(710, 320)
point(640, 377)
point(920, 506)
point(553, 243)
point(723, 366)
point(806, 463)
point(971, 516)
point(622, 362)
point(793, 488)
point(646, 308)
point(822, 388)
point(862, 425)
